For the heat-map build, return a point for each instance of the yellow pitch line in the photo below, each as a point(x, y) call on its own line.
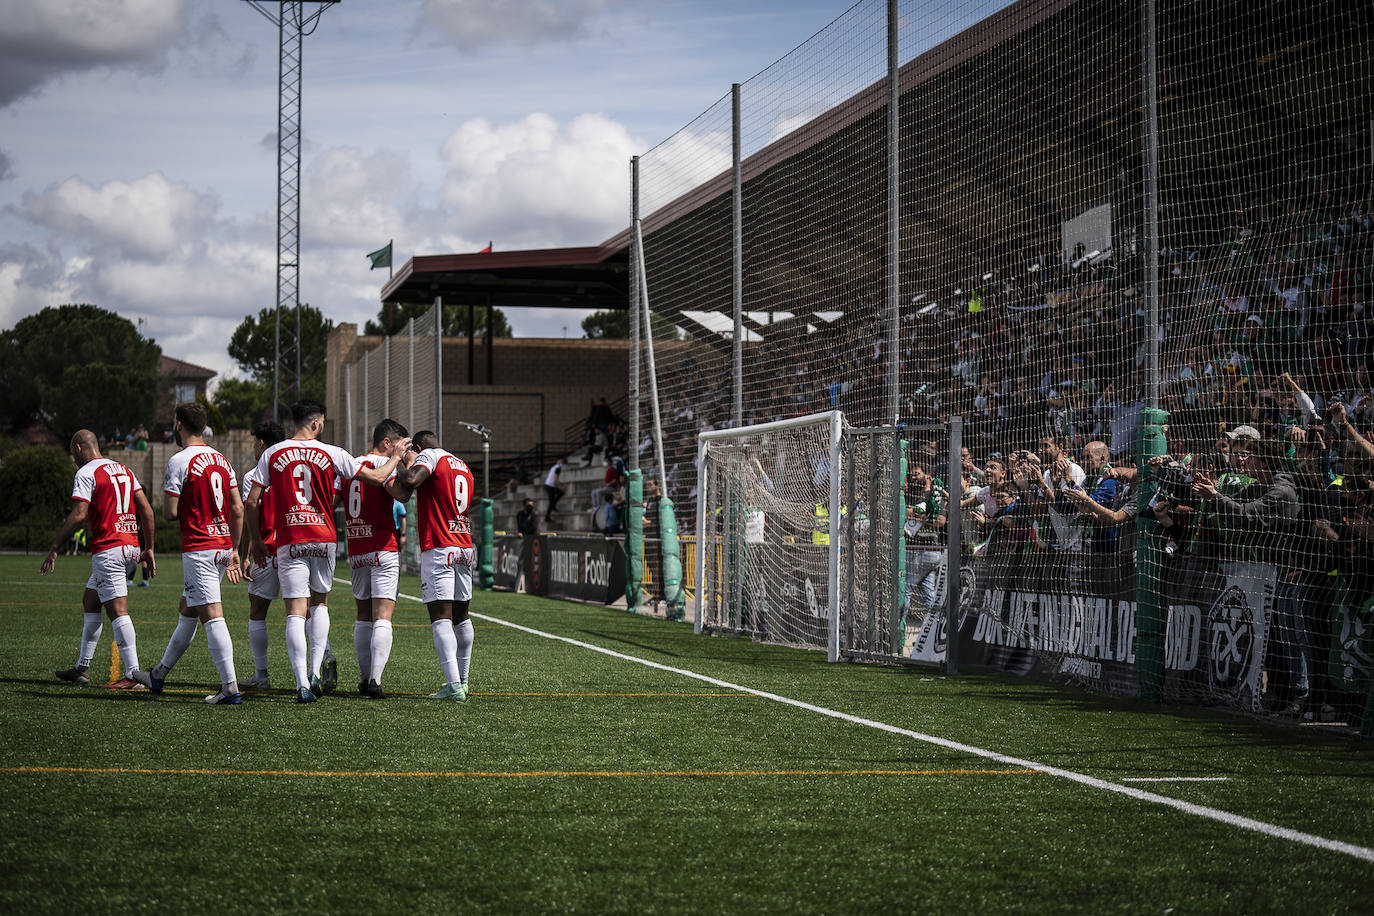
point(140, 771)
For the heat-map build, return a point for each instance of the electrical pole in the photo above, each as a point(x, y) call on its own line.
point(293, 23)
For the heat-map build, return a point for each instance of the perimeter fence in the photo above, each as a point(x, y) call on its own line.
point(1128, 243)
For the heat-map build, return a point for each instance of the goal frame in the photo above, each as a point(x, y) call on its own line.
point(835, 420)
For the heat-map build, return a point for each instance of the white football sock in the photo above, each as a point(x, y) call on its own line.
point(295, 649)
point(91, 625)
point(222, 652)
point(381, 649)
point(319, 637)
point(123, 630)
point(362, 647)
point(463, 633)
point(446, 647)
point(257, 642)
point(181, 638)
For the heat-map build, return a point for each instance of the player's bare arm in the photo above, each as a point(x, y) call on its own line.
point(377, 476)
point(75, 519)
point(146, 525)
point(235, 514)
point(256, 547)
point(170, 505)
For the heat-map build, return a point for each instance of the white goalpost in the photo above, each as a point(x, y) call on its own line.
point(769, 531)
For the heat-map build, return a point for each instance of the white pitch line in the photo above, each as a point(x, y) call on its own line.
point(1175, 778)
point(1224, 817)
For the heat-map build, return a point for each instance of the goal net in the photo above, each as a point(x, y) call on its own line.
point(768, 513)
point(801, 543)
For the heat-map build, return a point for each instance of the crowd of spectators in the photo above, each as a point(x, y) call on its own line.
point(1266, 341)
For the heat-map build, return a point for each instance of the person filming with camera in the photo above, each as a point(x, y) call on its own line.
point(1264, 518)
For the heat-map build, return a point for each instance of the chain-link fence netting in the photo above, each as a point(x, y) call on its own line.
point(395, 377)
point(1165, 493)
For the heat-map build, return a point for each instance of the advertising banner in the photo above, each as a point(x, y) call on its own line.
point(507, 560)
point(583, 568)
point(1072, 619)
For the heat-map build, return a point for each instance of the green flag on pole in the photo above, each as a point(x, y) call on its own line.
point(381, 257)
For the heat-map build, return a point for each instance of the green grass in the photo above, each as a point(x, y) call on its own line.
point(823, 842)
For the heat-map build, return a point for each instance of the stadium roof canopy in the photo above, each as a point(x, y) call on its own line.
point(1056, 134)
point(584, 278)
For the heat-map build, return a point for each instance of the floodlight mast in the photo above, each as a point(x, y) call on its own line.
point(293, 24)
point(485, 433)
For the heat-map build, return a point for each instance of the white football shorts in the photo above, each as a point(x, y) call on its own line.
point(446, 574)
point(376, 574)
point(305, 568)
point(264, 583)
point(201, 572)
point(110, 571)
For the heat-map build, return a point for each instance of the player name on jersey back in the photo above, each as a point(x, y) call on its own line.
point(109, 488)
point(443, 499)
point(202, 480)
point(368, 513)
point(303, 475)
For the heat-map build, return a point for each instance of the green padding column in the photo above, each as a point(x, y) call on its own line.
point(634, 540)
point(672, 561)
point(1151, 605)
point(485, 575)
point(899, 631)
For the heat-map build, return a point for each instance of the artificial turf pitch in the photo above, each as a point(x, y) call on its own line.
point(577, 781)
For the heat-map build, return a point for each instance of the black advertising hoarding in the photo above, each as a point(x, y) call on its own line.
point(582, 568)
point(507, 560)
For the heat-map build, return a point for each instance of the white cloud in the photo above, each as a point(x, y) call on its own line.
point(352, 199)
point(41, 39)
point(146, 218)
point(470, 25)
point(533, 182)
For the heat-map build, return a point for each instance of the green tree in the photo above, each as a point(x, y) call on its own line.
point(253, 347)
point(77, 366)
point(393, 317)
point(243, 402)
point(36, 486)
point(615, 325)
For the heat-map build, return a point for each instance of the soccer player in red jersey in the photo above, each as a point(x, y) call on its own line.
point(374, 560)
point(201, 493)
point(107, 496)
point(303, 474)
point(443, 485)
point(262, 579)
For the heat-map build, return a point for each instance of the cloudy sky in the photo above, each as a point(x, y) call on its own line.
point(138, 145)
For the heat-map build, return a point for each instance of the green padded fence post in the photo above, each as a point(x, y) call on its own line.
point(899, 537)
point(1151, 605)
point(634, 541)
point(485, 571)
point(672, 561)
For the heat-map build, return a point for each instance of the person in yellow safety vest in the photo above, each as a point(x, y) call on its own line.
point(820, 524)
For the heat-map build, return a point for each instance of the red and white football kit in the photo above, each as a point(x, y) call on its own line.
point(203, 482)
point(303, 475)
point(441, 504)
point(371, 530)
point(109, 488)
point(263, 582)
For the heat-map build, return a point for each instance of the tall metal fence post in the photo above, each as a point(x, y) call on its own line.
point(737, 266)
point(386, 376)
point(367, 383)
point(1151, 605)
point(894, 222)
point(410, 336)
point(348, 407)
point(439, 367)
point(953, 544)
point(634, 527)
